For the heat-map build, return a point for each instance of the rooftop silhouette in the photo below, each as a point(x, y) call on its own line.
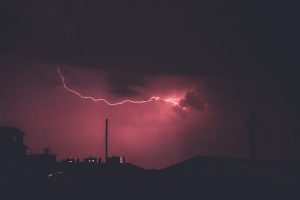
point(200, 176)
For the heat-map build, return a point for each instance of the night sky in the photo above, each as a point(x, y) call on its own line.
point(221, 58)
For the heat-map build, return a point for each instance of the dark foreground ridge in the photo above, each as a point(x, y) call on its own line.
point(200, 177)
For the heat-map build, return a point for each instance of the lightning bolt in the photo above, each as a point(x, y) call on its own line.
point(174, 101)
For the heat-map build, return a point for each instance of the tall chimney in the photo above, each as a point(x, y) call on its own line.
point(106, 140)
point(252, 125)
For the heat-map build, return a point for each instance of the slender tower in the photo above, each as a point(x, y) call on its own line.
point(252, 124)
point(106, 140)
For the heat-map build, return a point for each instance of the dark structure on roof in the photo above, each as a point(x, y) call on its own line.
point(11, 144)
point(45, 159)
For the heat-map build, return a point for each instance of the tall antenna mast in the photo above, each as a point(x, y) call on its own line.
point(252, 125)
point(106, 140)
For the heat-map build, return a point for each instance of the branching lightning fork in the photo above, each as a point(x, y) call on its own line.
point(174, 101)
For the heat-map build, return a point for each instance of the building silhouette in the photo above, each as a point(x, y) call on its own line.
point(45, 159)
point(70, 161)
point(92, 160)
point(12, 145)
point(115, 160)
point(13, 150)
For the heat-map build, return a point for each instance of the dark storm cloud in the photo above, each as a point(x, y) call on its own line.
point(215, 38)
point(225, 40)
point(193, 99)
point(123, 84)
point(182, 37)
point(124, 92)
point(126, 79)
